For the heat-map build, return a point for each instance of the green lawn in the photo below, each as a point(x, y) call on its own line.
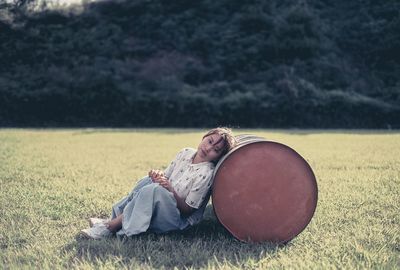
point(53, 180)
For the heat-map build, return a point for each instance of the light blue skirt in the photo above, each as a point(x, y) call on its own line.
point(148, 207)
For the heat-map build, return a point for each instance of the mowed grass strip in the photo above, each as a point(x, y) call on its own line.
point(53, 180)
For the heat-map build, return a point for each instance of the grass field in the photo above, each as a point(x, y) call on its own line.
point(53, 180)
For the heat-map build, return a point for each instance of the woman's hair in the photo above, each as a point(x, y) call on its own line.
point(227, 136)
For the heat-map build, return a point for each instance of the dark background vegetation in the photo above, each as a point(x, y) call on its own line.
point(277, 63)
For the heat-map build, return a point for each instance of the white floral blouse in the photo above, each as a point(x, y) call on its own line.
point(190, 181)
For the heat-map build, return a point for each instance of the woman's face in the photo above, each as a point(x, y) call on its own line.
point(210, 148)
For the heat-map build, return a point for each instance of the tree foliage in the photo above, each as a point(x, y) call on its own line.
point(302, 63)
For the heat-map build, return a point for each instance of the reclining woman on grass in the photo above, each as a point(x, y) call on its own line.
point(168, 200)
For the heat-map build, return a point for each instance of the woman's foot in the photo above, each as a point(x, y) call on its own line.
point(94, 220)
point(98, 231)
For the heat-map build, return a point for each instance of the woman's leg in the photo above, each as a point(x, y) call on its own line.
point(102, 229)
point(115, 224)
point(153, 208)
point(119, 207)
point(166, 216)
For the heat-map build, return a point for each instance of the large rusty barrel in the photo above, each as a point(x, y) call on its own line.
point(264, 191)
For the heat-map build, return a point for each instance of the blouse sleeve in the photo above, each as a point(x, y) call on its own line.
point(168, 171)
point(200, 189)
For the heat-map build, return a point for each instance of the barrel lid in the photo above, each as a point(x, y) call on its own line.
point(264, 191)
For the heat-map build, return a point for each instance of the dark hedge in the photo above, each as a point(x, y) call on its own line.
point(313, 64)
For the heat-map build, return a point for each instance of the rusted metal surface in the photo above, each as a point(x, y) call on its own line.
point(264, 191)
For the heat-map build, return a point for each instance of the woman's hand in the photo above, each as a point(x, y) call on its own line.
point(155, 174)
point(164, 182)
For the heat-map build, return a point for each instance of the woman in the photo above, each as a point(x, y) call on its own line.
point(168, 200)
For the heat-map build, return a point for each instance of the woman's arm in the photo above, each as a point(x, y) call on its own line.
point(183, 207)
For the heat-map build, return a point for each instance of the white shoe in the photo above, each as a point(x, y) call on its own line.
point(94, 220)
point(98, 231)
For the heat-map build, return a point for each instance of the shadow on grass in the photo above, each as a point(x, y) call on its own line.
point(204, 244)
